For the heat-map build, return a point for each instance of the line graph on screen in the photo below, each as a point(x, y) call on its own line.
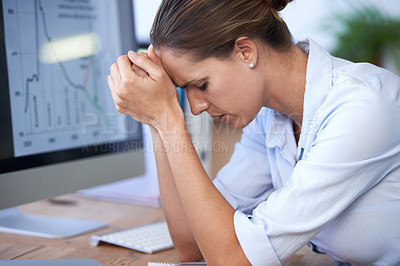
point(58, 63)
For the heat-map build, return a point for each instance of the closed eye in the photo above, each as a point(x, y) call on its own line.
point(204, 86)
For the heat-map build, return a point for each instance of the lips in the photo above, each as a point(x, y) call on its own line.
point(223, 118)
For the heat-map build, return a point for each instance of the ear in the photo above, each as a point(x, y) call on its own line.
point(246, 50)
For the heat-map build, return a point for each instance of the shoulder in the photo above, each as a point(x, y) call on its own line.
point(361, 112)
point(366, 78)
point(362, 87)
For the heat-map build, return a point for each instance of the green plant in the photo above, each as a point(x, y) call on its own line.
point(366, 34)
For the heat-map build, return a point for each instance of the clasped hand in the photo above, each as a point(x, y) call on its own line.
point(142, 89)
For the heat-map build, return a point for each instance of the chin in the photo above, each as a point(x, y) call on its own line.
point(239, 124)
point(242, 121)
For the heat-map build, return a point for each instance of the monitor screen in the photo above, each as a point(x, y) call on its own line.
point(60, 131)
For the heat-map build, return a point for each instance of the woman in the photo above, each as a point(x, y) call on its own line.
point(319, 158)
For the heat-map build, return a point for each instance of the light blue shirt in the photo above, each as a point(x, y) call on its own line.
point(339, 188)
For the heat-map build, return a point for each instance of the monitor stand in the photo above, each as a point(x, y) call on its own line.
point(16, 222)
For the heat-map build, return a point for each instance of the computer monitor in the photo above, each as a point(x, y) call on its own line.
point(60, 131)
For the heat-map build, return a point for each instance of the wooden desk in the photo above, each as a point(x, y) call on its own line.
point(118, 216)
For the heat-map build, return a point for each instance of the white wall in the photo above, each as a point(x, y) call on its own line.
point(306, 18)
point(144, 13)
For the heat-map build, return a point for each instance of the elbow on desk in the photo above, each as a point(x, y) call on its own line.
point(184, 257)
point(188, 253)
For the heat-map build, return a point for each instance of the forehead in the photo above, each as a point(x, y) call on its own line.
point(182, 67)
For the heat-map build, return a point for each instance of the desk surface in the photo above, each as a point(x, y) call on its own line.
point(118, 216)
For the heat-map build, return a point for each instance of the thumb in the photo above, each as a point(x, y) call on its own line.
point(151, 53)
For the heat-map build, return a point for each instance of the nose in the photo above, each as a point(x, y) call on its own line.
point(197, 103)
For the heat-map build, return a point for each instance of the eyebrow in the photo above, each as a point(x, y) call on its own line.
point(184, 85)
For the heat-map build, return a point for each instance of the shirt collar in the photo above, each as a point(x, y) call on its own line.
point(280, 134)
point(318, 83)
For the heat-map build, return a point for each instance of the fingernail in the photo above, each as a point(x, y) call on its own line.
point(131, 53)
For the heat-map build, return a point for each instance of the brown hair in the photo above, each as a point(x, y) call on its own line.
point(209, 28)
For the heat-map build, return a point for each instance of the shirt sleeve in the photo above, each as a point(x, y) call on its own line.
point(357, 144)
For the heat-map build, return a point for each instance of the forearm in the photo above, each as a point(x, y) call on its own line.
point(210, 216)
point(152, 100)
point(180, 231)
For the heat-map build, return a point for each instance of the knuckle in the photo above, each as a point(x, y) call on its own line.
point(118, 101)
point(122, 95)
point(121, 58)
point(113, 66)
point(120, 105)
point(162, 75)
point(139, 59)
point(126, 82)
point(120, 109)
point(110, 80)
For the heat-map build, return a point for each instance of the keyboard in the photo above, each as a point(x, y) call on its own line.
point(148, 238)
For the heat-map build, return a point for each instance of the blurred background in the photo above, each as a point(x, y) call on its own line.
point(358, 30)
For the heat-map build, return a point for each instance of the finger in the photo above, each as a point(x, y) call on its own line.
point(139, 71)
point(125, 67)
point(114, 69)
point(111, 84)
point(131, 55)
point(142, 61)
point(151, 52)
point(117, 100)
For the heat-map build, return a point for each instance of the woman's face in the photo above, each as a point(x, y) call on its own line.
point(227, 89)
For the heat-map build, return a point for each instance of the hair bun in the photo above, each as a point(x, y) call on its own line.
point(278, 5)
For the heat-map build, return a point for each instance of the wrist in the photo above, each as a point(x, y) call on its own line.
point(153, 131)
point(171, 122)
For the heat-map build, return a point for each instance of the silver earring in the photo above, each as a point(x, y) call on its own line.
point(251, 65)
